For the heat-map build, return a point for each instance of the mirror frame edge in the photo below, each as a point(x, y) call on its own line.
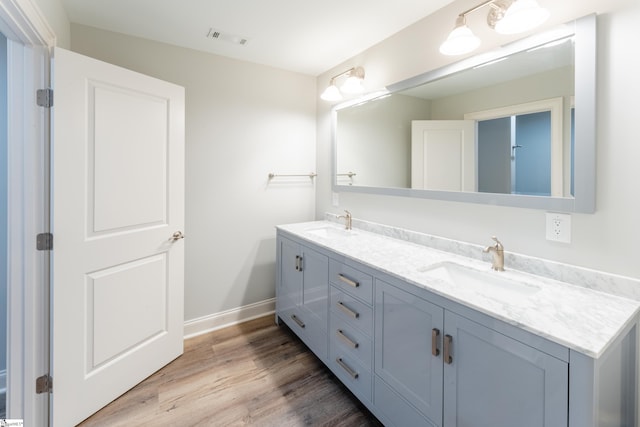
point(584, 200)
point(585, 125)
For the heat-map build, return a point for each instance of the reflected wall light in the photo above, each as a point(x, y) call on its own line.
point(505, 17)
point(351, 85)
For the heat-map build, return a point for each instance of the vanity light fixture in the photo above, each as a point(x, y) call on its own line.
point(351, 85)
point(461, 40)
point(505, 17)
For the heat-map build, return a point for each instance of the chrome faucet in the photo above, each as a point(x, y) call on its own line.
point(347, 218)
point(498, 254)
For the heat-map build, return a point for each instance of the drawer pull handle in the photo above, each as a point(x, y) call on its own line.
point(347, 339)
point(348, 281)
point(344, 366)
point(298, 321)
point(348, 311)
point(435, 333)
point(448, 359)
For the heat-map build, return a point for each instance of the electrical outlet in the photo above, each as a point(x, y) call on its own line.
point(558, 227)
point(335, 199)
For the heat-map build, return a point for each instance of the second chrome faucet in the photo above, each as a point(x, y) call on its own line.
point(498, 254)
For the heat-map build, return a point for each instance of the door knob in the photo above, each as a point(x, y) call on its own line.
point(177, 236)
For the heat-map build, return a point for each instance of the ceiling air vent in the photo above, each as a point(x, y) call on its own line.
point(226, 37)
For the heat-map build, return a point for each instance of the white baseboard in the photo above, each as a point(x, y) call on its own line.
point(212, 322)
point(3, 381)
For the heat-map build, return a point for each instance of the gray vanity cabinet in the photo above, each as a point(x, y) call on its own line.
point(452, 371)
point(302, 293)
point(416, 358)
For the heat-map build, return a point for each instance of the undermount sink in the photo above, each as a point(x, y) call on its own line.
point(460, 275)
point(328, 232)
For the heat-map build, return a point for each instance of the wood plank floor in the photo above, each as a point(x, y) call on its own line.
point(255, 373)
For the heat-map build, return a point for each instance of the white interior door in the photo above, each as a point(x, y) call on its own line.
point(117, 199)
point(443, 155)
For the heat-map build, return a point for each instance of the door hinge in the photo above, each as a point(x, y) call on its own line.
point(44, 242)
point(44, 384)
point(44, 98)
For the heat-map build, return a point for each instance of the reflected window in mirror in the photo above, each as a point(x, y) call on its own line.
point(514, 154)
point(524, 145)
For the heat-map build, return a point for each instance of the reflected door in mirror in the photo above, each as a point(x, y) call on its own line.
point(443, 155)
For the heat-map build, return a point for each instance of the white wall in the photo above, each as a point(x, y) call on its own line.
point(242, 122)
point(607, 240)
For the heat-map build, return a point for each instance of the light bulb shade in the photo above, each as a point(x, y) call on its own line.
point(460, 41)
point(331, 94)
point(352, 85)
point(521, 16)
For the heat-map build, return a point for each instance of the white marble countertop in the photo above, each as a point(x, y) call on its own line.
point(581, 319)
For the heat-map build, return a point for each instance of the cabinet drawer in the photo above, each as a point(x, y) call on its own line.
point(353, 311)
point(348, 340)
point(352, 281)
point(352, 374)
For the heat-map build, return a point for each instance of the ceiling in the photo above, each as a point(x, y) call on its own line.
point(304, 36)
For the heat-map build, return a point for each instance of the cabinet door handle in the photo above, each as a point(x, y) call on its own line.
point(435, 333)
point(448, 339)
point(346, 367)
point(298, 321)
point(348, 311)
point(348, 281)
point(298, 263)
point(346, 339)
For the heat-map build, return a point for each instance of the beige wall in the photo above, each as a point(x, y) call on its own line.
point(242, 122)
point(56, 17)
point(606, 240)
point(550, 84)
point(385, 125)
